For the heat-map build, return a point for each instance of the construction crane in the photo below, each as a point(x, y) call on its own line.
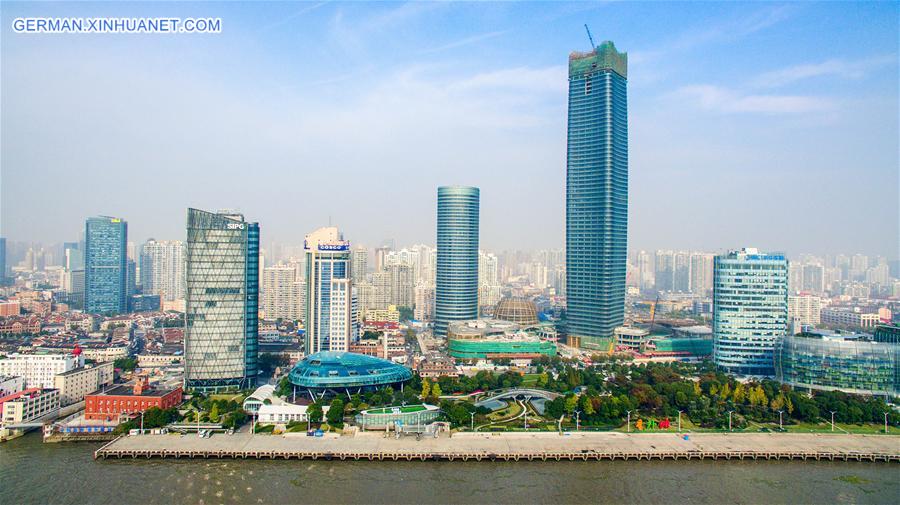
point(589, 35)
point(653, 315)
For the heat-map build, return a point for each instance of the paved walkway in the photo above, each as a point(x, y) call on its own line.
point(519, 443)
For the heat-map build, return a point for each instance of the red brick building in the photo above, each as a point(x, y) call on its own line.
point(124, 401)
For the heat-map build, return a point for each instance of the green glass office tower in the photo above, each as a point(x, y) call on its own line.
point(750, 311)
point(596, 195)
point(221, 301)
point(456, 279)
point(105, 265)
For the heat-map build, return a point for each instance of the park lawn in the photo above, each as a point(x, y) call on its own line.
point(512, 410)
point(825, 427)
point(238, 397)
point(530, 379)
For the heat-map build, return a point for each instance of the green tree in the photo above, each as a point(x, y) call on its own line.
point(571, 403)
point(214, 413)
point(436, 390)
point(335, 413)
point(314, 413)
point(426, 388)
point(587, 405)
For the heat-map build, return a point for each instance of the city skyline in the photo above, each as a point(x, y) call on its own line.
point(807, 118)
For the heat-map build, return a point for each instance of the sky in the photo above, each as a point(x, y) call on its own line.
point(772, 125)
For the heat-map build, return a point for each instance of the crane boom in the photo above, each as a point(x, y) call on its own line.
point(589, 35)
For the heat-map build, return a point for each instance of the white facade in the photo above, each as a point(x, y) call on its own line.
point(281, 293)
point(101, 354)
point(162, 269)
point(30, 406)
point(11, 384)
point(424, 310)
point(283, 413)
point(341, 324)
point(39, 370)
point(805, 309)
point(75, 384)
point(849, 317)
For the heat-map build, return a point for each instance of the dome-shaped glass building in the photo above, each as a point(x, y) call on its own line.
point(517, 310)
point(346, 372)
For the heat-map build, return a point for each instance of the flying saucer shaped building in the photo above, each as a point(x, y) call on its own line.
point(345, 372)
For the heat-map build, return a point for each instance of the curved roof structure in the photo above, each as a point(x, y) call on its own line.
point(516, 309)
point(339, 370)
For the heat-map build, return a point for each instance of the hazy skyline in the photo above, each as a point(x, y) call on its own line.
point(766, 125)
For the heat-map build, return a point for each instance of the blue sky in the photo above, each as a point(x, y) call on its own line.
point(765, 124)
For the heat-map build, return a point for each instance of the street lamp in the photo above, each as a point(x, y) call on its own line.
point(628, 422)
point(832, 419)
point(526, 416)
point(885, 422)
point(780, 423)
point(142, 422)
point(679, 419)
point(729, 419)
point(472, 415)
point(577, 420)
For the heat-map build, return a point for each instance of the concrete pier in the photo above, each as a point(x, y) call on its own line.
point(513, 447)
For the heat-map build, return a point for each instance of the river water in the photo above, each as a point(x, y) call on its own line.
point(34, 472)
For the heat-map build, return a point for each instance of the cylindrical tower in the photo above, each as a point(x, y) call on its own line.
point(456, 290)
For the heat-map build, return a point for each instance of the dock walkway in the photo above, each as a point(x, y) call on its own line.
point(513, 447)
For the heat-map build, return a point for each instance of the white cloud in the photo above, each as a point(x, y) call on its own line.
point(833, 67)
point(724, 100)
point(464, 42)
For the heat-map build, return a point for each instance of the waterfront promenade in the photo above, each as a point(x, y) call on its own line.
point(512, 446)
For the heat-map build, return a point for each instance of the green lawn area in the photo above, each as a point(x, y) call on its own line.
point(530, 380)
point(238, 397)
point(512, 410)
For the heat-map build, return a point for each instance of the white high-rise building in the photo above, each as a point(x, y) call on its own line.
point(488, 268)
point(359, 264)
point(424, 310)
point(341, 326)
point(702, 273)
point(281, 293)
point(382, 283)
point(162, 269)
point(805, 309)
point(328, 291)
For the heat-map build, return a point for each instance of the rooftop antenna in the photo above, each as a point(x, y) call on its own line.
point(589, 35)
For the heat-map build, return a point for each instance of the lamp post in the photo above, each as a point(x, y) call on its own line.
point(729, 419)
point(679, 420)
point(780, 423)
point(577, 420)
point(142, 422)
point(472, 415)
point(885, 422)
point(628, 422)
point(832, 419)
point(526, 416)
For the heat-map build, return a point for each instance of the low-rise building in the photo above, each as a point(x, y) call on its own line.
point(849, 317)
point(10, 308)
point(39, 370)
point(631, 337)
point(283, 413)
point(256, 399)
point(77, 383)
point(158, 360)
point(11, 384)
point(125, 401)
point(27, 405)
point(110, 353)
